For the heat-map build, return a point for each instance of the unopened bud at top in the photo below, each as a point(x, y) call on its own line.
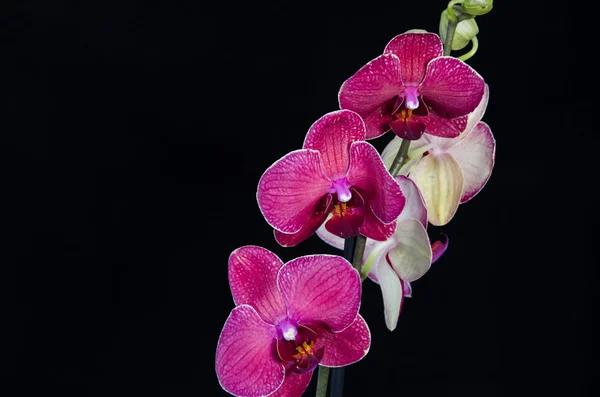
point(465, 31)
point(477, 7)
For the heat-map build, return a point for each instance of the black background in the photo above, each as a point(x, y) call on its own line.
point(135, 135)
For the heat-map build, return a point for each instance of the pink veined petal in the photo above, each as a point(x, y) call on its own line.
point(294, 385)
point(415, 205)
point(375, 229)
point(321, 289)
point(320, 214)
point(332, 135)
point(411, 257)
point(438, 248)
point(253, 281)
point(369, 90)
point(381, 191)
point(440, 180)
point(451, 87)
point(345, 347)
point(476, 154)
point(289, 190)
point(244, 360)
point(440, 126)
point(391, 290)
point(415, 50)
point(377, 121)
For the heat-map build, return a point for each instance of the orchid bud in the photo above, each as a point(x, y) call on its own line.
point(465, 31)
point(477, 7)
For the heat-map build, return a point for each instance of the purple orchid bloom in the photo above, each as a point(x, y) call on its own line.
point(288, 319)
point(413, 90)
point(449, 171)
point(337, 178)
point(403, 258)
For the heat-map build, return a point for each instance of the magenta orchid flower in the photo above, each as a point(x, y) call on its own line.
point(337, 178)
point(288, 319)
point(449, 171)
point(403, 258)
point(412, 89)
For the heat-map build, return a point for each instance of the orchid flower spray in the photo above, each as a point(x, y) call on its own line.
point(294, 318)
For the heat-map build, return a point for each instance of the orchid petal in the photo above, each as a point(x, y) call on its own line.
point(347, 224)
point(370, 89)
point(374, 229)
point(377, 256)
point(411, 256)
point(289, 190)
point(476, 115)
point(440, 180)
point(321, 212)
point(476, 153)
point(451, 87)
point(253, 281)
point(444, 127)
point(345, 347)
point(391, 290)
point(415, 152)
point(332, 136)
point(380, 190)
point(294, 385)
point(406, 289)
point(321, 289)
point(244, 361)
point(330, 238)
point(415, 205)
point(415, 50)
point(438, 248)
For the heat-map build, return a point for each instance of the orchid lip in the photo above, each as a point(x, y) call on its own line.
point(302, 352)
point(341, 187)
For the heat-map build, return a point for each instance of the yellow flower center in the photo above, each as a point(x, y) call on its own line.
point(404, 113)
point(304, 350)
point(340, 208)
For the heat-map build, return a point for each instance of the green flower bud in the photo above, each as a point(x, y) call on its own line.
point(477, 7)
point(465, 31)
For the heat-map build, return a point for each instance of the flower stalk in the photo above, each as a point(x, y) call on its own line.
point(322, 379)
point(452, 23)
point(401, 158)
point(472, 51)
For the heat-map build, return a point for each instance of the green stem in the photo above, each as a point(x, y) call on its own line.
point(401, 158)
point(322, 379)
point(452, 23)
point(359, 252)
point(474, 47)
